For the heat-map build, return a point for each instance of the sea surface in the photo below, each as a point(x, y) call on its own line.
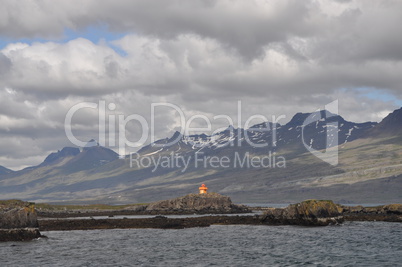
point(350, 244)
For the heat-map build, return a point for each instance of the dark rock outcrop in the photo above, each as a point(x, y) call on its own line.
point(19, 234)
point(197, 203)
point(65, 152)
point(17, 214)
point(308, 213)
point(18, 221)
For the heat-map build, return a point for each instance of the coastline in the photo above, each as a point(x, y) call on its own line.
point(62, 221)
point(184, 212)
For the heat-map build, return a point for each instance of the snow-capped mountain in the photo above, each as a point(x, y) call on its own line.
point(366, 164)
point(318, 130)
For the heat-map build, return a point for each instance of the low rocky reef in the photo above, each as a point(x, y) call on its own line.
point(18, 221)
point(307, 213)
point(387, 213)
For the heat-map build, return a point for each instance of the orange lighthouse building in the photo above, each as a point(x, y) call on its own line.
point(203, 189)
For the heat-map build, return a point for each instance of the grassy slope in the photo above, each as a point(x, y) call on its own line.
point(369, 170)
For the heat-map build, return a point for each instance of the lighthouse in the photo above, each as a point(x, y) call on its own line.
point(203, 189)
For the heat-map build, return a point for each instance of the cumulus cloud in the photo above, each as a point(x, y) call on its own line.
point(277, 57)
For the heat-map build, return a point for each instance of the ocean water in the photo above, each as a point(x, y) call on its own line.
point(351, 244)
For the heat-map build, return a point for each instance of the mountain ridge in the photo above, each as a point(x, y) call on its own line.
point(4, 170)
point(96, 173)
point(391, 125)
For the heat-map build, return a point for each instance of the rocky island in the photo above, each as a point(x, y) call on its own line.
point(308, 213)
point(207, 203)
point(18, 221)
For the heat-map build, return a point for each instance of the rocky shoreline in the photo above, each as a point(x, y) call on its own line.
point(306, 213)
point(19, 222)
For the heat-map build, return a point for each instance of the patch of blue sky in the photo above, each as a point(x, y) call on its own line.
point(96, 34)
point(4, 41)
point(381, 95)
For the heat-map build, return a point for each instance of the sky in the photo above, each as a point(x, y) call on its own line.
point(205, 57)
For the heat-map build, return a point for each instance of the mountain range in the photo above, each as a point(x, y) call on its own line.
point(267, 163)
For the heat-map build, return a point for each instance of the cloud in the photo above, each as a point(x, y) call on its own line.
point(331, 27)
point(277, 57)
point(195, 67)
point(245, 26)
point(5, 64)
